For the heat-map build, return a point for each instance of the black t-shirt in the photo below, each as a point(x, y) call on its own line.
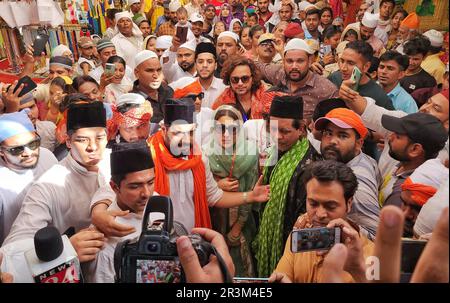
point(420, 80)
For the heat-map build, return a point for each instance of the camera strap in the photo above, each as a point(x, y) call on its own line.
point(227, 278)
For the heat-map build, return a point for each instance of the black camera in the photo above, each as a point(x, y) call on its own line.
point(153, 257)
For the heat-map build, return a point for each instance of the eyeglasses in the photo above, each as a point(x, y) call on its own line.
point(244, 79)
point(18, 150)
point(267, 44)
point(194, 96)
point(222, 128)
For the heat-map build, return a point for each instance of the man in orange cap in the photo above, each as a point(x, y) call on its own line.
point(408, 29)
point(343, 134)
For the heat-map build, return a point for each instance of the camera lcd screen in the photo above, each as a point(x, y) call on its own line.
point(158, 271)
point(313, 239)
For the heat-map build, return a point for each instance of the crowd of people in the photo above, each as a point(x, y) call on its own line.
point(256, 118)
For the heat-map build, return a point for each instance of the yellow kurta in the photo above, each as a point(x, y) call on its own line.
point(435, 67)
point(306, 267)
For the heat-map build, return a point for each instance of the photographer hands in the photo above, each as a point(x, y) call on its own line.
point(210, 273)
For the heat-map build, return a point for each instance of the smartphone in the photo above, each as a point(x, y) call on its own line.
point(313, 239)
point(356, 77)
point(39, 44)
point(28, 83)
point(250, 280)
point(110, 69)
point(182, 32)
point(411, 251)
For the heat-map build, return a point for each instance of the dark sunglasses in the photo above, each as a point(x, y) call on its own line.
point(18, 150)
point(194, 97)
point(222, 128)
point(244, 79)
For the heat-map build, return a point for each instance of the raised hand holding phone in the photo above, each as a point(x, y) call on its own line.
point(356, 78)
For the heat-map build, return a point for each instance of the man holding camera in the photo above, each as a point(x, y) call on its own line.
point(330, 187)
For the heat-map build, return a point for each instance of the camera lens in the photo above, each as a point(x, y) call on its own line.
point(153, 247)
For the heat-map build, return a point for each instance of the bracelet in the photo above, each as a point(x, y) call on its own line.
point(245, 197)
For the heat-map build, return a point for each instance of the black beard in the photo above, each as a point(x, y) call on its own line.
point(339, 157)
point(186, 69)
point(297, 80)
point(397, 156)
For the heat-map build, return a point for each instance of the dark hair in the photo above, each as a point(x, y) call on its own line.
point(296, 123)
point(361, 47)
point(80, 80)
point(326, 9)
point(400, 10)
point(73, 98)
point(60, 82)
point(145, 20)
point(117, 179)
point(111, 13)
point(350, 32)
point(117, 59)
point(236, 61)
point(313, 11)
point(226, 113)
point(328, 171)
point(254, 29)
point(402, 60)
point(417, 45)
point(374, 63)
point(390, 1)
point(330, 31)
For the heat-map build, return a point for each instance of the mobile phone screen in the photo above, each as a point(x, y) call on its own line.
point(356, 77)
point(250, 280)
point(182, 33)
point(311, 239)
point(39, 44)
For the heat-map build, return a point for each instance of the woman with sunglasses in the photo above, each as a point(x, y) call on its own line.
point(234, 163)
point(246, 89)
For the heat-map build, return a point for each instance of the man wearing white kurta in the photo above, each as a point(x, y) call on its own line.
point(128, 40)
point(61, 196)
point(181, 61)
point(132, 177)
point(18, 172)
point(191, 186)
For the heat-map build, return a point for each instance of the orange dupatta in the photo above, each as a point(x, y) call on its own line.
point(164, 161)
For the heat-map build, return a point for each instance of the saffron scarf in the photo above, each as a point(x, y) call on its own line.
point(269, 241)
point(166, 162)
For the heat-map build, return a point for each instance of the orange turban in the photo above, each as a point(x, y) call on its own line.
point(194, 88)
point(412, 21)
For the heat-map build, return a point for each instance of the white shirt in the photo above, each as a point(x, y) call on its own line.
point(15, 184)
point(205, 123)
point(127, 47)
point(81, 60)
point(101, 270)
point(181, 193)
point(61, 198)
point(172, 70)
point(213, 92)
point(47, 131)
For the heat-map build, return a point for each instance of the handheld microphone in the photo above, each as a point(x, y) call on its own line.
point(53, 258)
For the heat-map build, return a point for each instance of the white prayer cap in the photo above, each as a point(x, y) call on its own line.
point(436, 38)
point(370, 20)
point(163, 42)
point(121, 15)
point(174, 5)
point(302, 6)
point(190, 45)
point(131, 2)
point(60, 50)
point(130, 98)
point(298, 44)
point(144, 56)
point(229, 34)
point(182, 82)
point(196, 17)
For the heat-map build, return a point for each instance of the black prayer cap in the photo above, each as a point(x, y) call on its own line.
point(287, 107)
point(179, 109)
point(83, 115)
point(327, 105)
point(129, 157)
point(48, 244)
point(205, 47)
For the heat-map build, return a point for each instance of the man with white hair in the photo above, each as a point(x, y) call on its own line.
point(432, 63)
point(148, 72)
point(128, 40)
point(181, 61)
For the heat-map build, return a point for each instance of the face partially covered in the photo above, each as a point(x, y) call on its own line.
point(179, 138)
point(226, 130)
